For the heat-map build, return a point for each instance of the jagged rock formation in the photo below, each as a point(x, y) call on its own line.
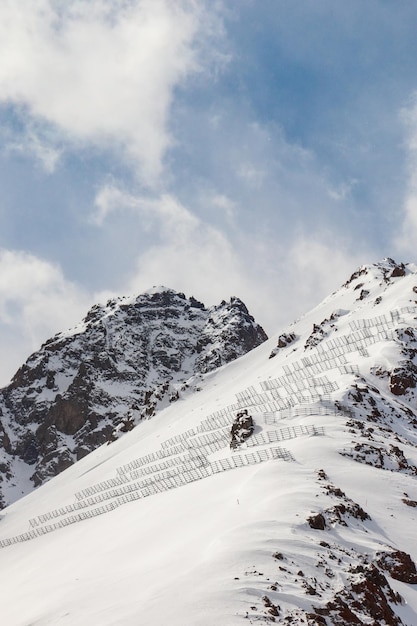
point(242, 428)
point(124, 361)
point(284, 340)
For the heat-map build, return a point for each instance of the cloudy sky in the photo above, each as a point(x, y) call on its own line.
point(258, 148)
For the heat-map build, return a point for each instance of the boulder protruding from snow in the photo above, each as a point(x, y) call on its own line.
point(242, 428)
point(403, 378)
point(399, 565)
point(284, 340)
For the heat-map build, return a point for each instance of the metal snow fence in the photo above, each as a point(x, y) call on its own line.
point(349, 369)
point(275, 418)
point(128, 492)
point(290, 432)
point(215, 422)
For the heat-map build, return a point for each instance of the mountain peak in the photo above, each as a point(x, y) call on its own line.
point(384, 270)
point(121, 364)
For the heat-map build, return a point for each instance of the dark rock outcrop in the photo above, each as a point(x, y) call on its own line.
point(318, 521)
point(284, 340)
point(399, 566)
point(403, 378)
point(242, 428)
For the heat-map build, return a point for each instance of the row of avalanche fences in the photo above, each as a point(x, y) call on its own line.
point(301, 390)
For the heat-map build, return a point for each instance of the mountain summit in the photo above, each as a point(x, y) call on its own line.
point(124, 361)
point(282, 489)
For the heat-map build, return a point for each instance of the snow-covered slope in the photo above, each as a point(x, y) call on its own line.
point(122, 363)
point(310, 520)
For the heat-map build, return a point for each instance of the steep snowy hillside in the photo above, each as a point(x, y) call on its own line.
point(309, 518)
point(125, 360)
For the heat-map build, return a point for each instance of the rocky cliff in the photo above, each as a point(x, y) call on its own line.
point(123, 362)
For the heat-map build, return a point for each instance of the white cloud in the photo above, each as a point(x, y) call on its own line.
point(342, 191)
point(187, 253)
point(34, 142)
point(251, 174)
point(277, 280)
point(111, 199)
point(405, 240)
point(195, 258)
point(36, 301)
point(318, 264)
point(286, 279)
point(103, 73)
point(277, 283)
point(225, 204)
point(163, 212)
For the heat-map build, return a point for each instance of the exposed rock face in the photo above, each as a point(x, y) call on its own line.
point(387, 267)
point(242, 428)
point(368, 597)
point(340, 512)
point(318, 521)
point(399, 565)
point(123, 362)
point(403, 378)
point(321, 331)
point(284, 340)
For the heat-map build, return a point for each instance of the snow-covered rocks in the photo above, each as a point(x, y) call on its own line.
point(121, 364)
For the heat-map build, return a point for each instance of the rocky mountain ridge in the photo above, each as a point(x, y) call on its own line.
point(123, 362)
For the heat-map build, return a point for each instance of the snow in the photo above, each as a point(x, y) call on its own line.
point(157, 289)
point(202, 554)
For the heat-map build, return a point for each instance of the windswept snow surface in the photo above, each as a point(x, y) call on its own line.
point(233, 545)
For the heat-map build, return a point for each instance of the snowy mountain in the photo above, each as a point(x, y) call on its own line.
point(125, 361)
point(308, 518)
